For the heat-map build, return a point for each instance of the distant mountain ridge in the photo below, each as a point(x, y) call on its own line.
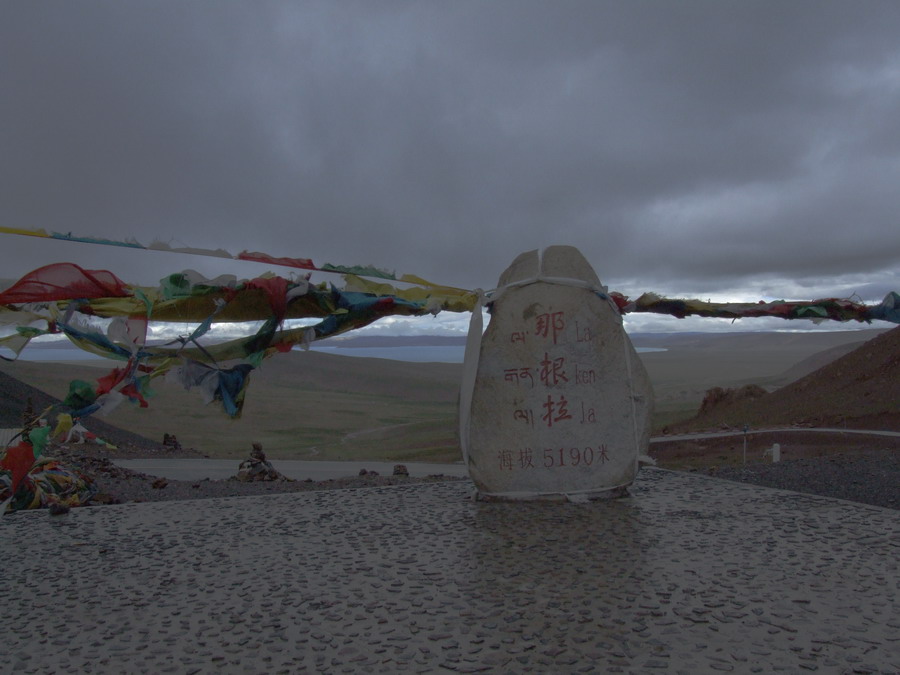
point(725, 340)
point(313, 399)
point(394, 341)
point(669, 340)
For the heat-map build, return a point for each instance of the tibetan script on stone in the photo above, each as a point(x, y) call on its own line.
point(561, 402)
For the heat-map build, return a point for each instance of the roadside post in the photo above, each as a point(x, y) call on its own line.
point(746, 429)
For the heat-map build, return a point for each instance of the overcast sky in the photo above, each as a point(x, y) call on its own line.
point(727, 150)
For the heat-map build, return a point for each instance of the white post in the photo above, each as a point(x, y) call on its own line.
point(746, 429)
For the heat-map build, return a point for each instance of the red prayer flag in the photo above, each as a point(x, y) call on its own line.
point(64, 281)
point(18, 461)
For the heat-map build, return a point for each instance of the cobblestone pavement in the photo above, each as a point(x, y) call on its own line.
point(687, 575)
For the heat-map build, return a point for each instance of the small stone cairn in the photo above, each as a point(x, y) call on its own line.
point(170, 442)
point(257, 467)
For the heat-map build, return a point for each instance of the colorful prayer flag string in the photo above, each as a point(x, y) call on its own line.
point(52, 298)
point(252, 256)
point(834, 309)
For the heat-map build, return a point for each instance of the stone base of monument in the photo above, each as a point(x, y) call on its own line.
point(555, 402)
point(614, 493)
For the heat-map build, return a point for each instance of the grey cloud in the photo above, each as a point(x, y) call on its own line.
point(693, 145)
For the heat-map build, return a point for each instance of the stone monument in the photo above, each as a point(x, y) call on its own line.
point(555, 402)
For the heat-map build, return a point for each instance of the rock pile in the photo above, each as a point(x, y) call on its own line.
point(257, 467)
point(717, 397)
point(170, 442)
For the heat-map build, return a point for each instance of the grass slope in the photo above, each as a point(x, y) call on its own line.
point(312, 405)
point(302, 405)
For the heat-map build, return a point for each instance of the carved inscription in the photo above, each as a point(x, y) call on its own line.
point(551, 458)
point(550, 325)
point(517, 375)
point(554, 392)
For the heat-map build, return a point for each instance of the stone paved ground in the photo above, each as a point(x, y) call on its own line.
point(688, 575)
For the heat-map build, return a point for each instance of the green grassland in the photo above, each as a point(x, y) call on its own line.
point(302, 405)
point(311, 405)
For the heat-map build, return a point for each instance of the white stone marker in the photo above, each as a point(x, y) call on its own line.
point(561, 403)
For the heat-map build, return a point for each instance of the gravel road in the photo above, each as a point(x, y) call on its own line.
point(117, 485)
point(871, 478)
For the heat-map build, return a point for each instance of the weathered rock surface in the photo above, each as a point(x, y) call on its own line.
point(561, 403)
point(717, 396)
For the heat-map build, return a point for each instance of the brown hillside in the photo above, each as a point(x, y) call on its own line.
point(816, 361)
point(859, 390)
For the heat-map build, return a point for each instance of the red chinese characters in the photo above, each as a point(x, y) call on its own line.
point(550, 325)
point(546, 387)
point(557, 410)
point(553, 371)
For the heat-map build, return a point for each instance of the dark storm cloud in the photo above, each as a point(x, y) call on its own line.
point(704, 147)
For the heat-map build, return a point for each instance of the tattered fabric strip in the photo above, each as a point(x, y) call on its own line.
point(253, 256)
point(56, 295)
point(45, 482)
point(63, 281)
point(188, 298)
point(834, 309)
